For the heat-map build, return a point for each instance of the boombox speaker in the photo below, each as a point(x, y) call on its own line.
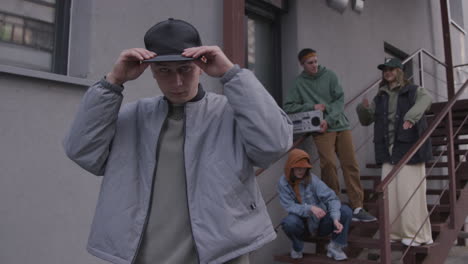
point(305, 122)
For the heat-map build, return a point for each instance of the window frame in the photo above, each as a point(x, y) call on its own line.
point(454, 23)
point(59, 36)
point(271, 13)
point(44, 3)
point(61, 40)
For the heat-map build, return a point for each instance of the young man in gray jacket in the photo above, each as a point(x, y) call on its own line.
point(178, 183)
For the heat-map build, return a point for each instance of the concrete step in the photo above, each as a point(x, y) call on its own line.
point(377, 178)
point(320, 259)
point(428, 165)
point(367, 242)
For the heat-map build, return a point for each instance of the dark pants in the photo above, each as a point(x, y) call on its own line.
point(295, 227)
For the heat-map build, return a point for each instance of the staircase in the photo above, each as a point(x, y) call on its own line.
point(448, 208)
point(364, 235)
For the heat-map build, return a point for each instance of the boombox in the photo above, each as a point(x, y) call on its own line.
point(304, 122)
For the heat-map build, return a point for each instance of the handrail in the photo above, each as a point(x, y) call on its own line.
point(433, 57)
point(396, 169)
point(461, 65)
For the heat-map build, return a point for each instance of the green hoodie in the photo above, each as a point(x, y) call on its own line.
point(320, 88)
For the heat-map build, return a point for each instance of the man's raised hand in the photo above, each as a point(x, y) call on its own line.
point(129, 65)
point(211, 59)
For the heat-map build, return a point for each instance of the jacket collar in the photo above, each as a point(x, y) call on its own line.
point(200, 94)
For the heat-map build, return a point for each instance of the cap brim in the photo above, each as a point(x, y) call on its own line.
point(161, 58)
point(381, 67)
point(303, 163)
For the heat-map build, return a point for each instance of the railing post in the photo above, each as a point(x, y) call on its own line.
point(451, 168)
point(421, 70)
point(384, 227)
point(444, 9)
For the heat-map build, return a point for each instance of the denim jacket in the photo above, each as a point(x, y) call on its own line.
point(314, 193)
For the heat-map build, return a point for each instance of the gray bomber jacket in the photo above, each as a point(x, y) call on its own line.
point(225, 136)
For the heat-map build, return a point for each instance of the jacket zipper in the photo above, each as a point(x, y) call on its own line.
point(150, 200)
point(186, 184)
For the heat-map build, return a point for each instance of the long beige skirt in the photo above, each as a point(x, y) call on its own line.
point(399, 191)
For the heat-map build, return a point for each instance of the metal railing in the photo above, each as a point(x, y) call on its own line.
point(384, 225)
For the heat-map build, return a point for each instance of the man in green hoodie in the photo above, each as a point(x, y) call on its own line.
point(317, 88)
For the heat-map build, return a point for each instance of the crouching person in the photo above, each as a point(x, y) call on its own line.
point(313, 208)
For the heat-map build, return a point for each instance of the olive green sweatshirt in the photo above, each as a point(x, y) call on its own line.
point(320, 88)
point(422, 103)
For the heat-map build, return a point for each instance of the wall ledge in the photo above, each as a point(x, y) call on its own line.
point(45, 76)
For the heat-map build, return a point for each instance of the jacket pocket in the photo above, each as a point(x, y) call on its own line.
point(408, 135)
point(236, 195)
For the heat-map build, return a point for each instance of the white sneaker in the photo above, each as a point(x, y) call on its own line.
point(336, 252)
point(295, 254)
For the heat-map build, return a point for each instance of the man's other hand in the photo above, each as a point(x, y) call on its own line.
point(320, 107)
point(317, 211)
point(407, 124)
point(211, 59)
point(129, 66)
point(323, 126)
point(365, 103)
point(338, 226)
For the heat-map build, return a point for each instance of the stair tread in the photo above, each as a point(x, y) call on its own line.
point(428, 164)
point(437, 227)
point(457, 152)
point(439, 142)
point(441, 132)
point(315, 258)
point(429, 177)
point(428, 191)
point(368, 242)
point(374, 224)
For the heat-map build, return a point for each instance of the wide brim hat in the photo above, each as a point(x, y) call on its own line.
point(169, 38)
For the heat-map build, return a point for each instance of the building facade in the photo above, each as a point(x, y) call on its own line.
point(51, 51)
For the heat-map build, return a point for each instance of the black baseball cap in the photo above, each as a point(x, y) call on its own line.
point(169, 38)
point(391, 63)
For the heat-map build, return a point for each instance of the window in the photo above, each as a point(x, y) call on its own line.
point(263, 49)
point(27, 32)
point(34, 34)
point(456, 13)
